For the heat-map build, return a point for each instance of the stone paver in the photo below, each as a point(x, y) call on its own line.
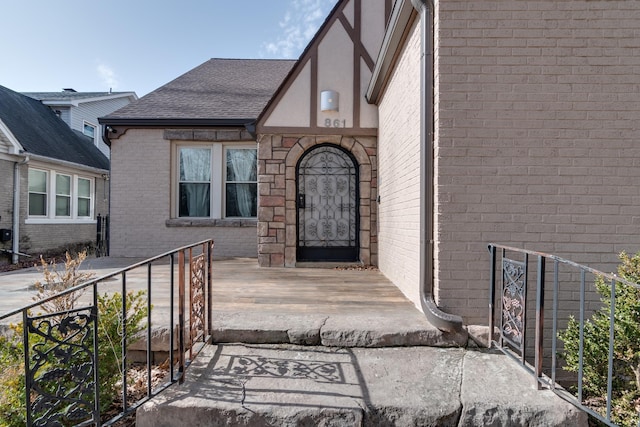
point(266, 385)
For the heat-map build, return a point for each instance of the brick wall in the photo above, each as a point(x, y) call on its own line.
point(399, 170)
point(141, 200)
point(536, 136)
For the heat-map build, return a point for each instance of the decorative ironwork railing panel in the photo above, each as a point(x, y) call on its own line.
point(514, 302)
point(569, 283)
point(61, 375)
point(61, 349)
point(198, 269)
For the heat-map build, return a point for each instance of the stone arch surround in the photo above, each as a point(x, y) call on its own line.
point(278, 156)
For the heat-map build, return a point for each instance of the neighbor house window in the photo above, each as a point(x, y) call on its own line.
point(89, 130)
point(37, 192)
point(55, 196)
point(84, 197)
point(216, 181)
point(241, 186)
point(63, 195)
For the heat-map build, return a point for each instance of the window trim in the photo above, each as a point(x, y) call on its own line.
point(67, 196)
point(52, 194)
point(86, 124)
point(225, 182)
point(78, 197)
point(46, 194)
point(218, 178)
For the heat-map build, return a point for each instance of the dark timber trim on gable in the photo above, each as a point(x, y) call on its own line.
point(310, 56)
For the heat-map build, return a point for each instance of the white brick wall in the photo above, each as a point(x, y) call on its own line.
point(536, 136)
point(399, 182)
point(140, 203)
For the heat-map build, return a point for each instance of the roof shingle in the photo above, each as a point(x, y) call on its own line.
point(40, 131)
point(216, 89)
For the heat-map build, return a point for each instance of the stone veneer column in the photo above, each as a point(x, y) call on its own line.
point(278, 156)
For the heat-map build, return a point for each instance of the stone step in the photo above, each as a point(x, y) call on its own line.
point(289, 385)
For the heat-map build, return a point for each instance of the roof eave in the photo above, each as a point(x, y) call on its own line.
point(393, 38)
point(75, 101)
point(123, 121)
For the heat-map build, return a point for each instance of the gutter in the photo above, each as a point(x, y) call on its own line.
point(437, 317)
point(107, 121)
point(45, 159)
point(15, 240)
point(110, 123)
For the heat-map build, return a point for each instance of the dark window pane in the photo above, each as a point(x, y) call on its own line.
point(37, 204)
point(194, 200)
point(241, 200)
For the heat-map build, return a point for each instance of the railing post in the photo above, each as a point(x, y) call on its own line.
point(181, 316)
point(191, 320)
point(612, 318)
point(209, 290)
point(124, 341)
point(539, 320)
point(492, 294)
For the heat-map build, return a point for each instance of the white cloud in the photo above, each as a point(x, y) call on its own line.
point(299, 24)
point(108, 76)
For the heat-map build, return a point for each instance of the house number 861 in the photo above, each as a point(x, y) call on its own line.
point(335, 123)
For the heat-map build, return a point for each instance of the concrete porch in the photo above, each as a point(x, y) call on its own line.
point(326, 346)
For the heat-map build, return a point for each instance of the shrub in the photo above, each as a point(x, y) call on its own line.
point(110, 331)
point(110, 339)
point(626, 351)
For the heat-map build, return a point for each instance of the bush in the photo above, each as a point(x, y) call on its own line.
point(626, 351)
point(110, 339)
point(12, 386)
point(110, 331)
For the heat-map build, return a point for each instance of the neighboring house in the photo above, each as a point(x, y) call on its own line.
point(80, 110)
point(411, 134)
point(53, 180)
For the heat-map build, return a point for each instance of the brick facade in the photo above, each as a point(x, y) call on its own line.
point(141, 220)
point(278, 156)
point(399, 165)
point(536, 136)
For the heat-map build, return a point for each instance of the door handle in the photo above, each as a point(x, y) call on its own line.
point(301, 201)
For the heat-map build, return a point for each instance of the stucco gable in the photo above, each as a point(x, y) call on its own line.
point(338, 58)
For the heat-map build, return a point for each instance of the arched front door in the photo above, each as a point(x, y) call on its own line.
point(327, 205)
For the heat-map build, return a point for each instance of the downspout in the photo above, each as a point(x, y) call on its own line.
point(15, 241)
point(438, 318)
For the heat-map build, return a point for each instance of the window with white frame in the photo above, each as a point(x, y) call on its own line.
point(59, 196)
point(89, 130)
point(241, 184)
point(216, 181)
point(63, 195)
point(38, 192)
point(84, 198)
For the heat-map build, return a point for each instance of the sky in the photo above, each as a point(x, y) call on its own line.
point(140, 45)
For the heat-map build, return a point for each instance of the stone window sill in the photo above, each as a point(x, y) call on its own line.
point(206, 222)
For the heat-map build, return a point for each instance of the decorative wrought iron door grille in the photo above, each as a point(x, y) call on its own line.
point(327, 206)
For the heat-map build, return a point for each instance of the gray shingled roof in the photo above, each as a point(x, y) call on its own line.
point(40, 131)
point(219, 89)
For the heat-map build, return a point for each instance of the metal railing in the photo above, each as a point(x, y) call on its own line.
point(102, 235)
point(61, 349)
point(520, 298)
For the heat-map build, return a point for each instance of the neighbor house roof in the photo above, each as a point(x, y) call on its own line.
point(217, 92)
point(41, 132)
point(71, 97)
